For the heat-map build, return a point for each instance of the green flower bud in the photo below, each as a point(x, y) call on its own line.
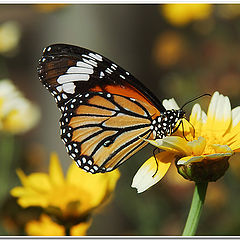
point(208, 170)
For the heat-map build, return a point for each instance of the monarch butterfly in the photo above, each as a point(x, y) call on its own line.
point(105, 110)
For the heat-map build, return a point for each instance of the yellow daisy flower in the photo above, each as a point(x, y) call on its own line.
point(71, 199)
point(212, 139)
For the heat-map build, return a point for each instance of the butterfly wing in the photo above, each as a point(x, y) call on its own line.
point(105, 110)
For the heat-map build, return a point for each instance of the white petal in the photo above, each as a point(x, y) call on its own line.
point(219, 107)
point(235, 116)
point(147, 176)
point(170, 104)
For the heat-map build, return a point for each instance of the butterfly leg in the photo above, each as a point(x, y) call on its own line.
point(154, 154)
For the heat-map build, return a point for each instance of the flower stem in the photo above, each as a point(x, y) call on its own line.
point(196, 209)
point(7, 147)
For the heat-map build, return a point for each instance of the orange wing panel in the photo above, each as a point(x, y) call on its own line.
point(93, 110)
point(100, 101)
point(104, 152)
point(82, 133)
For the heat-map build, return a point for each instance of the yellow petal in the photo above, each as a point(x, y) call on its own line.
point(197, 118)
point(220, 151)
point(96, 185)
point(37, 200)
point(219, 114)
point(185, 129)
point(172, 144)
point(197, 146)
point(29, 197)
point(44, 227)
point(55, 171)
point(147, 176)
point(232, 138)
point(22, 177)
point(39, 182)
point(222, 148)
point(80, 229)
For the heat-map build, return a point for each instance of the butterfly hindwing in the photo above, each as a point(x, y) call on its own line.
point(105, 129)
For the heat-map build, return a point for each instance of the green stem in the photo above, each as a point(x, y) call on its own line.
point(7, 144)
point(196, 209)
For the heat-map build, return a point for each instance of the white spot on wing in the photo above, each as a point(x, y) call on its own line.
point(59, 88)
point(69, 88)
point(84, 65)
point(96, 56)
point(80, 70)
point(72, 77)
point(91, 62)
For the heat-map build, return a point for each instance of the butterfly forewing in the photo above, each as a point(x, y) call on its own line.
point(105, 110)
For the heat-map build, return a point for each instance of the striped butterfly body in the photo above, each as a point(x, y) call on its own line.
point(105, 110)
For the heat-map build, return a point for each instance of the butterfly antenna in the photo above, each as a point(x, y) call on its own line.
point(206, 94)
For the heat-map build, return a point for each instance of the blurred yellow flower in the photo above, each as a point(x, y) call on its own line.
point(17, 114)
point(204, 157)
point(9, 36)
point(70, 199)
point(45, 226)
point(182, 14)
point(168, 49)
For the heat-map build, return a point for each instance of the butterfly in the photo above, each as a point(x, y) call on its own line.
point(106, 112)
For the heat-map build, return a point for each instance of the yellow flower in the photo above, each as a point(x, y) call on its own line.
point(182, 14)
point(204, 157)
point(9, 36)
point(17, 114)
point(45, 226)
point(69, 199)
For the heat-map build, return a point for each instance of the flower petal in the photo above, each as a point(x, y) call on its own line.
point(220, 151)
point(95, 185)
point(55, 171)
point(198, 118)
point(170, 104)
point(44, 227)
point(172, 144)
point(188, 159)
point(185, 129)
point(235, 116)
point(147, 176)
point(80, 229)
point(35, 181)
point(219, 114)
point(198, 146)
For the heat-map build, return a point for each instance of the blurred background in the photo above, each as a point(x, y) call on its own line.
point(178, 51)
